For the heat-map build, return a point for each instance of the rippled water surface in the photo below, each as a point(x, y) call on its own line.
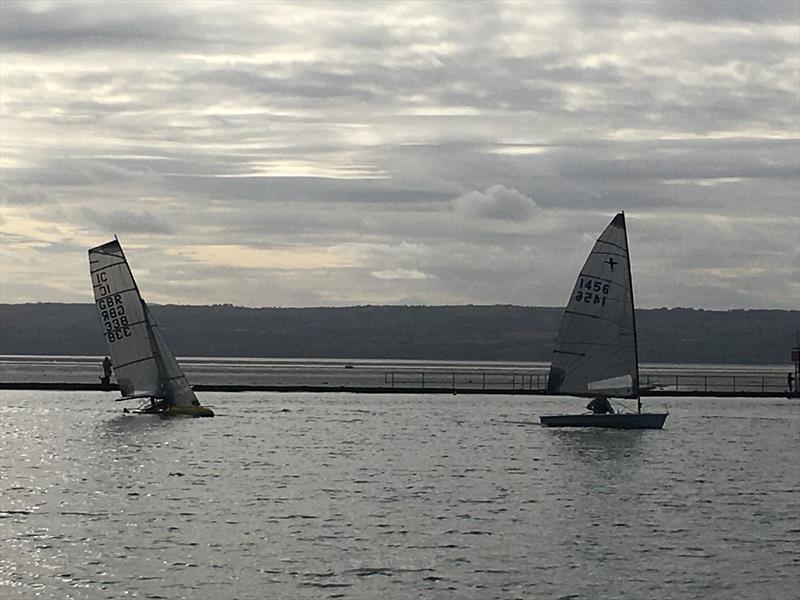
point(370, 496)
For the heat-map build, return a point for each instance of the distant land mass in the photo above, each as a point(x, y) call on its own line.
point(486, 333)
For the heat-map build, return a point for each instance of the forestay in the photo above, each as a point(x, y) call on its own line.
point(595, 353)
point(124, 321)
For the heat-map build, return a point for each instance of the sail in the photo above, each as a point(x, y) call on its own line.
point(595, 353)
point(175, 388)
point(124, 321)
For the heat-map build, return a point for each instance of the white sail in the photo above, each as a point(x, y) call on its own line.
point(124, 321)
point(595, 353)
point(143, 363)
point(175, 386)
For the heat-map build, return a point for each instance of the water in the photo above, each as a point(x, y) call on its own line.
point(403, 496)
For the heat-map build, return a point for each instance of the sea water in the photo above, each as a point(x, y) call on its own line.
point(395, 496)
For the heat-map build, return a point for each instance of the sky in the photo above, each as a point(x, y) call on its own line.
point(350, 153)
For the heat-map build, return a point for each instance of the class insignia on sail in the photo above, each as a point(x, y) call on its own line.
point(144, 365)
point(596, 352)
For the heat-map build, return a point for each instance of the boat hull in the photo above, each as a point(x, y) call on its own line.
point(173, 411)
point(188, 411)
point(613, 421)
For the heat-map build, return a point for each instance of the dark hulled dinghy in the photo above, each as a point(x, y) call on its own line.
point(596, 353)
point(145, 367)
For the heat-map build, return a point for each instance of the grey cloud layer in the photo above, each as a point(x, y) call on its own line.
point(493, 140)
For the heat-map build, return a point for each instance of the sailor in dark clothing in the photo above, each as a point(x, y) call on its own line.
point(106, 378)
point(600, 406)
point(790, 380)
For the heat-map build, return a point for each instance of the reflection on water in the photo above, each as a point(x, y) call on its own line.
point(359, 496)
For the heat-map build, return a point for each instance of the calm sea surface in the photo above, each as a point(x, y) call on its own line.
point(395, 496)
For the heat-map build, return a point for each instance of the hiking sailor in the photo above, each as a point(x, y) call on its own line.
point(600, 406)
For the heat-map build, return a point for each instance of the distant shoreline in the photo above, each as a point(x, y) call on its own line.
point(498, 333)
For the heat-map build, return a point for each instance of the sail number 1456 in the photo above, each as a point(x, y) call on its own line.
point(591, 291)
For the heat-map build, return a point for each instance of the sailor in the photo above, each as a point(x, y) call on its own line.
point(106, 378)
point(790, 380)
point(600, 406)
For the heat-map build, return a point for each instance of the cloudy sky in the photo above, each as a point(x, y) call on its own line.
point(341, 153)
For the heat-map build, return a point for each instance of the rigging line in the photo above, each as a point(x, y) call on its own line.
point(103, 268)
point(133, 362)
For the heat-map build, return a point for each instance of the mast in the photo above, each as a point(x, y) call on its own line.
point(146, 312)
point(633, 316)
point(156, 350)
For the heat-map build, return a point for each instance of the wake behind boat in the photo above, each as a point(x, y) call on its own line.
point(596, 353)
point(145, 367)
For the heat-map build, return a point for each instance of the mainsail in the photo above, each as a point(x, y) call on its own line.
point(595, 353)
point(143, 363)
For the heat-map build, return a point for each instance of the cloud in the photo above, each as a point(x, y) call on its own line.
point(129, 221)
point(497, 202)
point(400, 274)
point(481, 145)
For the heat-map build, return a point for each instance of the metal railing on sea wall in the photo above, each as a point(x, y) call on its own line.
point(459, 380)
point(740, 383)
point(651, 384)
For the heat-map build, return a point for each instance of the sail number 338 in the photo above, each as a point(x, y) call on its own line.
point(591, 291)
point(112, 312)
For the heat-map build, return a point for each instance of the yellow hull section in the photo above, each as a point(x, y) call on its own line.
point(188, 411)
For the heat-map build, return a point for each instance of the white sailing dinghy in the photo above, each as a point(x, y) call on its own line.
point(144, 366)
point(596, 354)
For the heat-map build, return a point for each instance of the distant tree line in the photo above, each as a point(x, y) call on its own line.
point(502, 333)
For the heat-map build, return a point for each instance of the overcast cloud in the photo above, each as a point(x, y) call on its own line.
point(339, 153)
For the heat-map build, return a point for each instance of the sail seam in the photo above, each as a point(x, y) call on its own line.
point(133, 362)
point(94, 251)
point(598, 318)
point(613, 244)
point(570, 353)
point(133, 289)
point(610, 281)
point(103, 268)
point(121, 327)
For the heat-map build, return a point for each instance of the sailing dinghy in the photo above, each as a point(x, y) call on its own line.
point(144, 366)
point(596, 353)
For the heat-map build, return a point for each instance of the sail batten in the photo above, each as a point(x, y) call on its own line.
point(595, 353)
